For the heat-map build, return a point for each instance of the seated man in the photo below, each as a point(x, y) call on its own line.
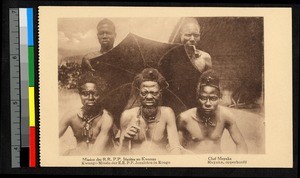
point(190, 37)
point(201, 128)
point(92, 124)
point(149, 128)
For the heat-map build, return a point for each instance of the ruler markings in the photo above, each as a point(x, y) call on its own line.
point(14, 83)
point(22, 86)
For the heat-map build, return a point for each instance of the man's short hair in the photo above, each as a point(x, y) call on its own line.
point(106, 21)
point(150, 74)
point(208, 78)
point(89, 77)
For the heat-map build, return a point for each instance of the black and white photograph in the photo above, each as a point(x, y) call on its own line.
point(177, 89)
point(172, 86)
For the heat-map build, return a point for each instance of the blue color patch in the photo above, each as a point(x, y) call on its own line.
point(30, 26)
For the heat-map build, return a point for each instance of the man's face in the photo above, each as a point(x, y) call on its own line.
point(208, 99)
point(89, 94)
point(150, 94)
point(190, 34)
point(106, 35)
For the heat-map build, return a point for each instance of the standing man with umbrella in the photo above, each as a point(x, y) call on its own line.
point(182, 66)
point(189, 35)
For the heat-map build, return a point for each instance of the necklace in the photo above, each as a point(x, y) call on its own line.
point(87, 130)
point(149, 119)
point(206, 120)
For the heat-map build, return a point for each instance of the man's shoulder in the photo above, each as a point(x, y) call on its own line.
point(188, 114)
point(225, 110)
point(107, 119)
point(107, 115)
point(72, 114)
point(203, 54)
point(226, 114)
point(128, 115)
point(130, 112)
point(166, 109)
point(92, 55)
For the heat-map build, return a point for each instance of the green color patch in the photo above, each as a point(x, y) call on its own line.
point(31, 65)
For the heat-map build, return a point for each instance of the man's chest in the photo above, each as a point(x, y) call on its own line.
point(88, 129)
point(154, 131)
point(198, 131)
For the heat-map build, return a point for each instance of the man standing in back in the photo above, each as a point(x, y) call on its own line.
point(106, 36)
point(190, 36)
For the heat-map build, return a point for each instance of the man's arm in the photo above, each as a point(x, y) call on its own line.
point(175, 146)
point(64, 123)
point(181, 129)
point(203, 61)
point(236, 135)
point(127, 132)
point(85, 64)
point(103, 136)
point(207, 59)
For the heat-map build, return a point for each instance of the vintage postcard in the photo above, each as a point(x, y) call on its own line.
point(165, 87)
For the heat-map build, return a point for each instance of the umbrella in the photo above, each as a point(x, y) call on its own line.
point(182, 77)
point(120, 65)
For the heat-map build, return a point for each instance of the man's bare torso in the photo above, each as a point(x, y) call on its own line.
point(77, 125)
point(152, 136)
point(200, 138)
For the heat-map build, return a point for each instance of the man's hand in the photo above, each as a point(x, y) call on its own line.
point(190, 50)
point(86, 64)
point(131, 131)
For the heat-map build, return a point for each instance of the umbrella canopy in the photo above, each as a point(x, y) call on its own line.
point(236, 46)
point(120, 65)
point(182, 77)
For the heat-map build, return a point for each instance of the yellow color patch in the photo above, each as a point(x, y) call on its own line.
point(31, 107)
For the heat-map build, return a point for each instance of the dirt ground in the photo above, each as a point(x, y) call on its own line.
point(250, 122)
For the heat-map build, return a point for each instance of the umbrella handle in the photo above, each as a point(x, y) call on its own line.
point(119, 150)
point(129, 146)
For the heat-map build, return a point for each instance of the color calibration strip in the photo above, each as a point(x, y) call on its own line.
point(32, 137)
point(25, 80)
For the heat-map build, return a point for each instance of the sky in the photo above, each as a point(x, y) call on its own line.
point(81, 33)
